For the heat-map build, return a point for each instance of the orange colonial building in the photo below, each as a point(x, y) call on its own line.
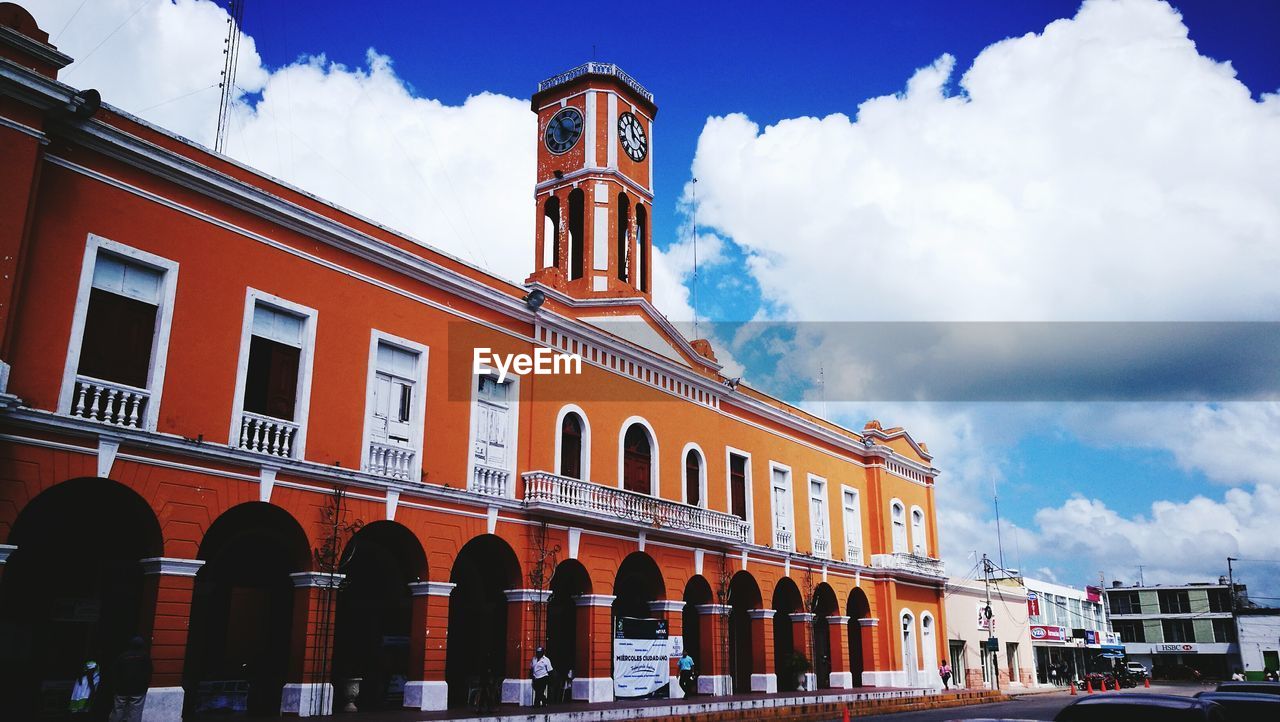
point(251, 427)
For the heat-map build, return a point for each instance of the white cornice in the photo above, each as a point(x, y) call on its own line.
point(43, 51)
point(593, 173)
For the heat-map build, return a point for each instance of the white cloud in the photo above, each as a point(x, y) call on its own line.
point(1100, 170)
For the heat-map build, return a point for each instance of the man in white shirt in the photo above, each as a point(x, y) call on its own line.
point(540, 669)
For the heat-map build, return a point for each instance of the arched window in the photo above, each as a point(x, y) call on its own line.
point(918, 546)
point(637, 460)
point(642, 247)
point(551, 232)
point(576, 241)
point(624, 235)
point(899, 516)
point(571, 446)
point(693, 478)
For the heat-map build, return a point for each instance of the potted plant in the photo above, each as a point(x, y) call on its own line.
point(795, 666)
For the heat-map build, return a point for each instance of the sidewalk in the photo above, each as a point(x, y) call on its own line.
point(748, 705)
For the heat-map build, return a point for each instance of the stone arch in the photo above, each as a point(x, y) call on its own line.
point(243, 602)
point(638, 582)
point(857, 608)
point(743, 596)
point(823, 605)
point(76, 582)
point(483, 571)
point(566, 650)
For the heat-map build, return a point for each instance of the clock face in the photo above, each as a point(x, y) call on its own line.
point(632, 137)
point(564, 130)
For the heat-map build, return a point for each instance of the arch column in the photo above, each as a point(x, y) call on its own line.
point(308, 691)
point(841, 676)
point(164, 617)
point(428, 643)
point(594, 682)
point(712, 660)
point(762, 657)
point(517, 687)
point(802, 632)
point(875, 672)
point(671, 610)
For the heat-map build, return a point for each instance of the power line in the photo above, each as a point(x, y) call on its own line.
point(80, 63)
point(231, 49)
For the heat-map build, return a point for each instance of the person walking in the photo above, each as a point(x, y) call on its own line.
point(944, 671)
point(130, 676)
point(685, 667)
point(85, 691)
point(540, 670)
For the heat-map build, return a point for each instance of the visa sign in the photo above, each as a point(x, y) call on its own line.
point(1045, 633)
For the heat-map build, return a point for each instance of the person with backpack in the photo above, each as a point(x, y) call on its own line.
point(85, 691)
point(130, 676)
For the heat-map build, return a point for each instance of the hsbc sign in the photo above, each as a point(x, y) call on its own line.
point(1174, 648)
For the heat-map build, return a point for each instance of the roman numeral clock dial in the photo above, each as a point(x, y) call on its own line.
point(563, 130)
point(632, 137)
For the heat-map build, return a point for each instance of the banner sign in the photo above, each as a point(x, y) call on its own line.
point(675, 646)
point(1045, 633)
point(640, 659)
point(1033, 604)
point(984, 623)
point(1090, 636)
point(1093, 594)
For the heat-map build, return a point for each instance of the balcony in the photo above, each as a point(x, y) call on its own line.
point(822, 547)
point(783, 540)
point(586, 499)
point(110, 403)
point(490, 481)
point(393, 462)
point(852, 552)
point(925, 566)
point(267, 435)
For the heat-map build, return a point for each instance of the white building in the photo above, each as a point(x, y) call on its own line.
point(1259, 634)
point(1069, 629)
point(967, 634)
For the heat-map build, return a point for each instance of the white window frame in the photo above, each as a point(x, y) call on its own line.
point(893, 537)
point(846, 490)
point(306, 361)
point(159, 341)
point(585, 462)
point(919, 535)
point(702, 475)
point(654, 477)
point(729, 453)
point(417, 420)
point(826, 509)
point(790, 511)
point(513, 425)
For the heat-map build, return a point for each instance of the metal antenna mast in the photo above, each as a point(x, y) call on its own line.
point(999, 538)
point(231, 53)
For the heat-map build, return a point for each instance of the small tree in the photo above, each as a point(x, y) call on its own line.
point(332, 555)
point(542, 567)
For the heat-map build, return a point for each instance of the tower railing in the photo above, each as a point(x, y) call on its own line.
point(594, 68)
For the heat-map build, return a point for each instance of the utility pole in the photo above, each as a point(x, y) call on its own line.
point(1231, 583)
point(987, 614)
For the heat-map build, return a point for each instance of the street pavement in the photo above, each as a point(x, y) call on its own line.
point(1026, 707)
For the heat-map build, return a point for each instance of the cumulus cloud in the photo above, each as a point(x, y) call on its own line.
point(1099, 170)
point(456, 177)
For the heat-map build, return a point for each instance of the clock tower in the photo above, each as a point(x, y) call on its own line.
point(594, 184)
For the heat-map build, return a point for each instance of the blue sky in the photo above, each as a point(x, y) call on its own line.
point(1101, 169)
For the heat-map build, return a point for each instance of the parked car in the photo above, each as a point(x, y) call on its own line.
point(1250, 687)
point(1140, 707)
point(1137, 669)
point(1246, 706)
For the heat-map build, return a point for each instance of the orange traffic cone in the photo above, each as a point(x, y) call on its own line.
point(846, 714)
point(1104, 684)
point(1146, 682)
point(1073, 688)
point(1089, 685)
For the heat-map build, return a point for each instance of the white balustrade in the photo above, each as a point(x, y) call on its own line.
point(490, 481)
point(852, 552)
point(782, 539)
point(822, 547)
point(109, 402)
point(267, 435)
point(909, 563)
point(541, 487)
point(395, 462)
